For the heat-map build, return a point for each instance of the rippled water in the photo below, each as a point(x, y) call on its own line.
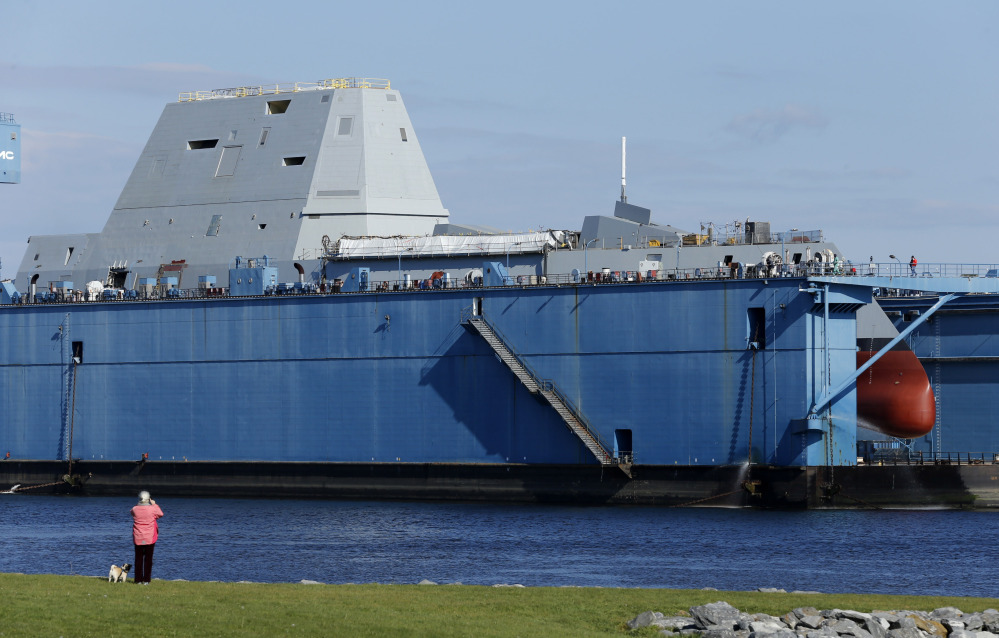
point(894, 552)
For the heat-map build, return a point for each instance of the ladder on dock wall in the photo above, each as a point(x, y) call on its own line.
point(547, 390)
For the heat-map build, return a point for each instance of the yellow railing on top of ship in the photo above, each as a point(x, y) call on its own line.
point(295, 87)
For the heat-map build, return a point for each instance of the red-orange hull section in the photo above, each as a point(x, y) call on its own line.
point(894, 395)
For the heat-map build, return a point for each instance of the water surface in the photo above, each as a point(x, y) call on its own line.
point(892, 552)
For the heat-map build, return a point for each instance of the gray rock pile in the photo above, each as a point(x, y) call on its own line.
point(721, 620)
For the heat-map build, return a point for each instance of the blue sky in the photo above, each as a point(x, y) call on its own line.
point(876, 122)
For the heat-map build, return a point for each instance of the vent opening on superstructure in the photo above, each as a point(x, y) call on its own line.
point(326, 98)
point(117, 276)
point(69, 253)
point(390, 97)
point(194, 145)
point(277, 107)
point(294, 161)
point(402, 134)
point(213, 226)
point(36, 256)
point(263, 135)
point(261, 226)
point(345, 125)
point(77, 352)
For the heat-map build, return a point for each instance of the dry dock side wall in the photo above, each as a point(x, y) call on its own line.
point(699, 374)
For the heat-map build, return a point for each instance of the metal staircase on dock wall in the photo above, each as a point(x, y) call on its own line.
point(548, 391)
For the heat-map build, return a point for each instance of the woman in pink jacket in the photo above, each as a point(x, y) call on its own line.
point(145, 531)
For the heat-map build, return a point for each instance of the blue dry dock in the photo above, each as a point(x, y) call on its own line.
point(372, 347)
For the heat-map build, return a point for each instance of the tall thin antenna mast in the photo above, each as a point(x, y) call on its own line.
point(624, 198)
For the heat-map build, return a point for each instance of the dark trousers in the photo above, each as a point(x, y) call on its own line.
point(143, 563)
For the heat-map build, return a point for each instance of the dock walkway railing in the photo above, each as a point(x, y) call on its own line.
point(898, 456)
point(900, 273)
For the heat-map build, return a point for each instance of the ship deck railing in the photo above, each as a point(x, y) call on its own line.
point(290, 87)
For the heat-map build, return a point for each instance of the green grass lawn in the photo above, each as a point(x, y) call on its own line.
point(85, 606)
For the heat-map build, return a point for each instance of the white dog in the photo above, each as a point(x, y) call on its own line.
point(119, 574)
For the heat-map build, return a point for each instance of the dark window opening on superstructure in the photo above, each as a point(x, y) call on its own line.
point(277, 107)
point(757, 319)
point(728, 259)
point(402, 132)
point(263, 135)
point(77, 352)
point(345, 126)
point(796, 259)
point(69, 253)
point(261, 226)
point(194, 145)
point(326, 98)
point(294, 161)
point(36, 256)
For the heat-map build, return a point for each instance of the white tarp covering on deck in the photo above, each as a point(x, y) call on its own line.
point(358, 247)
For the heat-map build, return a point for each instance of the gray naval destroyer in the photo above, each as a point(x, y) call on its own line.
point(279, 303)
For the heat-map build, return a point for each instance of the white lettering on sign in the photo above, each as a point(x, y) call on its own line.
point(7, 155)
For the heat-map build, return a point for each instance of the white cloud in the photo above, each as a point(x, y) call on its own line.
point(172, 67)
point(157, 77)
point(766, 126)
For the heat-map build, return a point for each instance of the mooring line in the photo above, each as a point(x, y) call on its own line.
point(706, 499)
point(21, 488)
point(863, 502)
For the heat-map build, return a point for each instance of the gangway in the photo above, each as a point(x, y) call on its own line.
point(548, 391)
